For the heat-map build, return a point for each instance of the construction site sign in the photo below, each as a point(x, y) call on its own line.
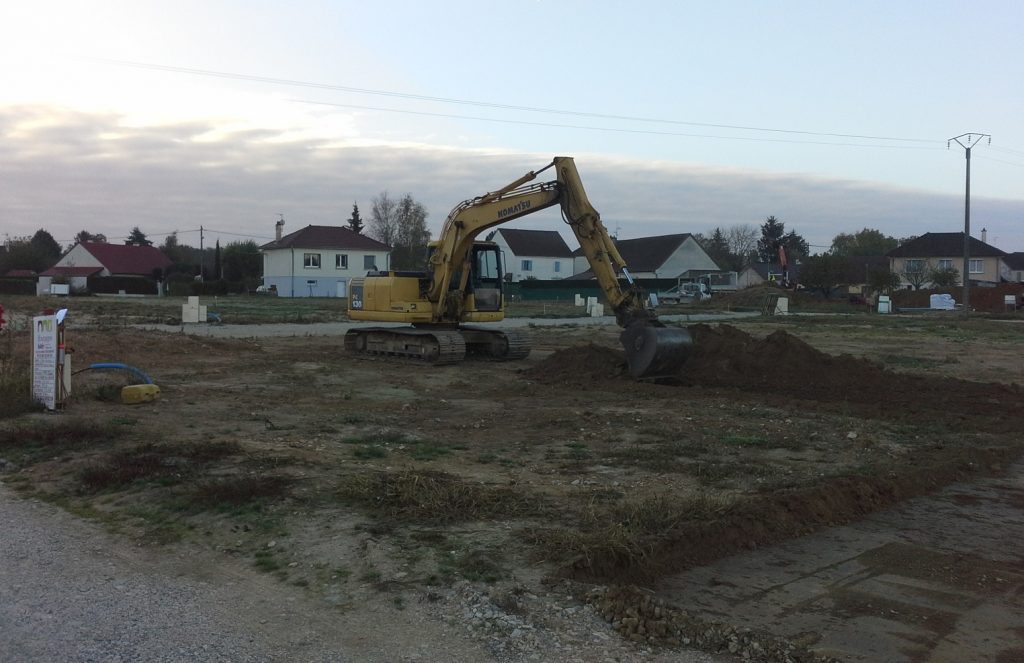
point(44, 360)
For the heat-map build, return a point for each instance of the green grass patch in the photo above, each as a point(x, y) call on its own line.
point(369, 453)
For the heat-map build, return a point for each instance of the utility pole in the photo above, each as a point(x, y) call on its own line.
point(202, 257)
point(967, 141)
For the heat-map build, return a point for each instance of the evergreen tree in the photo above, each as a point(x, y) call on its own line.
point(772, 231)
point(355, 223)
point(217, 274)
point(46, 246)
point(137, 238)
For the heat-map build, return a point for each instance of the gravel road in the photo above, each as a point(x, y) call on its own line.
point(71, 592)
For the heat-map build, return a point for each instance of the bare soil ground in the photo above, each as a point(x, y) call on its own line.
point(351, 477)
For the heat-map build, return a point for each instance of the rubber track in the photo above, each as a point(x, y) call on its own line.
point(451, 348)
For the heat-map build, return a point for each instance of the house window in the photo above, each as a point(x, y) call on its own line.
point(915, 265)
point(527, 266)
point(369, 262)
point(311, 260)
point(945, 264)
point(976, 267)
point(341, 261)
point(558, 267)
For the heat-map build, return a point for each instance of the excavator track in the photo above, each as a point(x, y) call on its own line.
point(495, 344)
point(437, 347)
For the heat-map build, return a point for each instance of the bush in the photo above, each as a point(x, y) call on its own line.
point(112, 285)
point(17, 286)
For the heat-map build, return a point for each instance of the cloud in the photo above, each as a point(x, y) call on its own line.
point(67, 171)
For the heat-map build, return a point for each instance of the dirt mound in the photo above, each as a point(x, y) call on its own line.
point(784, 366)
point(579, 365)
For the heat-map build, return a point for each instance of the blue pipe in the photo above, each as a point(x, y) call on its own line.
point(210, 315)
point(131, 369)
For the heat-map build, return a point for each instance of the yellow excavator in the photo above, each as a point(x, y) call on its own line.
point(464, 278)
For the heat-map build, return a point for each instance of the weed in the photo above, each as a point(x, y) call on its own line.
point(120, 469)
point(747, 440)
point(435, 496)
point(46, 441)
point(428, 451)
point(265, 561)
point(232, 492)
point(367, 452)
point(475, 565)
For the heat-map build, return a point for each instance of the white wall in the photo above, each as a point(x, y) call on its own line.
point(542, 267)
point(79, 257)
point(286, 269)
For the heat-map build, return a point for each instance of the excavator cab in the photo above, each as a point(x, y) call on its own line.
point(485, 283)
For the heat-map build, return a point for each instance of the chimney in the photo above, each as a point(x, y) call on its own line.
point(279, 229)
point(984, 235)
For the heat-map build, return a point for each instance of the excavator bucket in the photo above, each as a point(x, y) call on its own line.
point(654, 351)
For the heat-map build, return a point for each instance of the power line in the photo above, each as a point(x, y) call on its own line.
point(650, 132)
point(484, 104)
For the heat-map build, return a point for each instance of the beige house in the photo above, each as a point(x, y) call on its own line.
point(915, 260)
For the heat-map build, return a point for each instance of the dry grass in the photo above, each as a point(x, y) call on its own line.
point(168, 462)
point(232, 492)
point(621, 537)
point(15, 378)
point(31, 444)
point(436, 497)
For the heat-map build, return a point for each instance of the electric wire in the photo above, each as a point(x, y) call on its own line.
point(484, 104)
point(650, 132)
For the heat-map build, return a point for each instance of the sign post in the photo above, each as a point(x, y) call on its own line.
point(49, 382)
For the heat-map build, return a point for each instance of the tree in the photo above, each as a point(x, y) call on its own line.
point(411, 234)
point(47, 247)
point(822, 272)
point(86, 236)
point(242, 261)
point(137, 238)
point(382, 219)
point(944, 277)
point(915, 272)
point(355, 223)
point(883, 281)
point(865, 242)
point(717, 248)
point(796, 246)
point(742, 240)
point(22, 254)
point(772, 231)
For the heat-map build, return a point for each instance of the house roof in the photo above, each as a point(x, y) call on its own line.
point(72, 271)
point(643, 254)
point(326, 237)
point(1014, 261)
point(940, 245)
point(543, 243)
point(762, 269)
point(124, 258)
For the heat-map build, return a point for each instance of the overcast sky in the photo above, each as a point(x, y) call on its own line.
point(681, 116)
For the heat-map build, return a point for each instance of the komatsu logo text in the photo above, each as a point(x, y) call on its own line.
point(515, 209)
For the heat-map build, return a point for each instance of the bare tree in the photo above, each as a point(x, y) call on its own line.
point(916, 272)
point(411, 234)
point(742, 240)
point(383, 219)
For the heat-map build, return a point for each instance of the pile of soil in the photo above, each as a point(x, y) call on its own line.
point(783, 365)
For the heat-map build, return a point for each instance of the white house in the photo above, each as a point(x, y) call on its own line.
point(538, 254)
point(319, 261)
point(87, 259)
point(662, 257)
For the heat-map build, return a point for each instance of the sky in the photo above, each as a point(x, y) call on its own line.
point(682, 116)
